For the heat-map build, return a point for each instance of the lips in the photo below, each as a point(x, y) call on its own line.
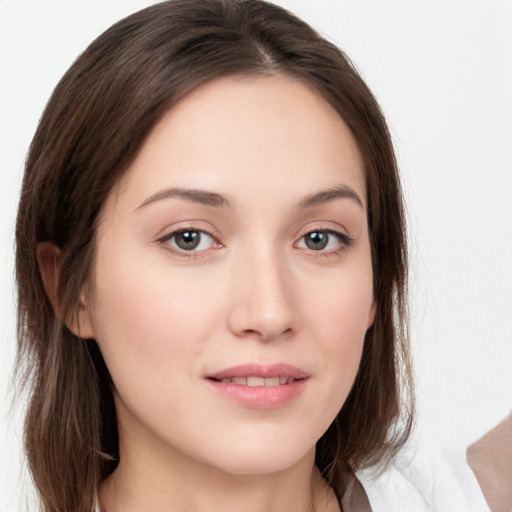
point(255, 381)
point(259, 386)
point(260, 375)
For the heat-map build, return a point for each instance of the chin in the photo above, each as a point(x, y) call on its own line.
point(259, 458)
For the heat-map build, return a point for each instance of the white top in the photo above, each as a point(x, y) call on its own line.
point(421, 479)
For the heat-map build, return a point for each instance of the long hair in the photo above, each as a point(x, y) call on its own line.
point(94, 124)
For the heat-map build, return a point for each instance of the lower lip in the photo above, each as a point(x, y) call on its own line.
point(260, 397)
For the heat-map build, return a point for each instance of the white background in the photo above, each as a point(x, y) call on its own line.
point(442, 71)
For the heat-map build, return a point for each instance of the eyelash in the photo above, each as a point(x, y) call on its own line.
point(345, 242)
point(164, 241)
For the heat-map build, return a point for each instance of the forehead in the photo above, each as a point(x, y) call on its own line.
point(246, 134)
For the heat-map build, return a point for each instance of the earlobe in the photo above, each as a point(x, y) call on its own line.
point(80, 324)
point(48, 259)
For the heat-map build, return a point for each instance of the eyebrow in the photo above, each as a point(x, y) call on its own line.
point(324, 196)
point(208, 198)
point(197, 196)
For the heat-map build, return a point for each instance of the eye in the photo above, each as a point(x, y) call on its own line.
point(324, 240)
point(190, 240)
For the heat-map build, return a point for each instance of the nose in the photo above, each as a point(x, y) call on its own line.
point(264, 300)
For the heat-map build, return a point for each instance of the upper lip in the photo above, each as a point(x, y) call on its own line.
point(258, 370)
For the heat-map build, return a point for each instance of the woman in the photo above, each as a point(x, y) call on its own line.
point(212, 270)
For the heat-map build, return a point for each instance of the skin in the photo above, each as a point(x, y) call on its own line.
point(253, 291)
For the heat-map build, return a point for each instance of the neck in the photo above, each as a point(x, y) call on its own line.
point(161, 480)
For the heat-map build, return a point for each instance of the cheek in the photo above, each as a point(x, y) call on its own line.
point(340, 308)
point(146, 318)
point(339, 314)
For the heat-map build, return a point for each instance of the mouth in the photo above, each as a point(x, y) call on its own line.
point(253, 374)
point(255, 381)
point(259, 386)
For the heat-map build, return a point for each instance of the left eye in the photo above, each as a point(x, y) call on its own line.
point(320, 240)
point(190, 240)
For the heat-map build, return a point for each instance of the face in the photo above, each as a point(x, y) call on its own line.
point(233, 284)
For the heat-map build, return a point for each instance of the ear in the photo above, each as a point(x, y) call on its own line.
point(48, 259)
point(371, 314)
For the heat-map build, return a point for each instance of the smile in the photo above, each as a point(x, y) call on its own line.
point(260, 386)
point(255, 381)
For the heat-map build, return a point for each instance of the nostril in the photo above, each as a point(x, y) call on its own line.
point(268, 335)
point(264, 321)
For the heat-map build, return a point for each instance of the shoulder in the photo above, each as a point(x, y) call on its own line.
point(421, 478)
point(490, 458)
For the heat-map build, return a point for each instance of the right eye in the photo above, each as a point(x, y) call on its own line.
point(189, 240)
point(325, 241)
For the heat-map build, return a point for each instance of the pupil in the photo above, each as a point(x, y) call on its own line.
point(188, 240)
point(316, 240)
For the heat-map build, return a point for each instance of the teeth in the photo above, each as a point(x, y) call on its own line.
point(254, 381)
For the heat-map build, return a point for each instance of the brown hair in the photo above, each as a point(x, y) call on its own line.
point(95, 122)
